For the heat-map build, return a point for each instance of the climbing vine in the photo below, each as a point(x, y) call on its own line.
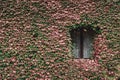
point(35, 44)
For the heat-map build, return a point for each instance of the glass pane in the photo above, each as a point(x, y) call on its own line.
point(87, 44)
point(76, 44)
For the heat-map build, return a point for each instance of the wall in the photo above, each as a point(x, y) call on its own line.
point(35, 41)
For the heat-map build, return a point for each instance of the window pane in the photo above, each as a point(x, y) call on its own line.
point(76, 44)
point(87, 44)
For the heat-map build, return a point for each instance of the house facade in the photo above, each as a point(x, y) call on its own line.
point(59, 40)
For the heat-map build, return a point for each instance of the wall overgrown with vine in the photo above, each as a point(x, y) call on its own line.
point(35, 42)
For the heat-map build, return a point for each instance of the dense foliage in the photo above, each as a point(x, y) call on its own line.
point(35, 40)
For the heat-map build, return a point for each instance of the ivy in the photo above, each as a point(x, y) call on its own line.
point(35, 40)
point(76, 26)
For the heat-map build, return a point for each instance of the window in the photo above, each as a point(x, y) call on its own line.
point(82, 40)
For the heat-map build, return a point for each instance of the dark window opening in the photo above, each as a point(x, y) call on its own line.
point(82, 40)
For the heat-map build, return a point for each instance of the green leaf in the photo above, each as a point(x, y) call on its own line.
point(0, 51)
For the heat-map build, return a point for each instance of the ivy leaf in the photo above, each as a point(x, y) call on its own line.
point(0, 51)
